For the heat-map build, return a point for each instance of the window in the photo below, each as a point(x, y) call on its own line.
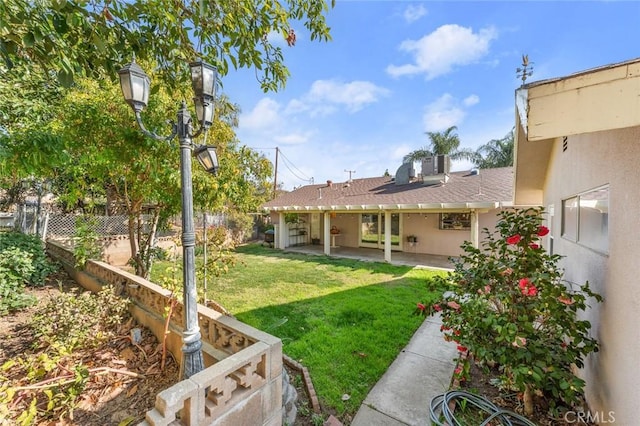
point(585, 219)
point(455, 220)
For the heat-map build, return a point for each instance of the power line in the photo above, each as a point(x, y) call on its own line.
point(289, 165)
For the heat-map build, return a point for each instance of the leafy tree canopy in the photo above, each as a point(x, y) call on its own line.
point(446, 142)
point(496, 152)
point(84, 38)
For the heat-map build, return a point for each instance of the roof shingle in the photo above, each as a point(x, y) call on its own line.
point(489, 186)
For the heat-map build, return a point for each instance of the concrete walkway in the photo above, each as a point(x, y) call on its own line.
point(422, 370)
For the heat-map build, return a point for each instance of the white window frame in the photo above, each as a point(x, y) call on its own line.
point(575, 236)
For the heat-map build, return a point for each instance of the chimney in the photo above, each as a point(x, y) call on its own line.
point(330, 184)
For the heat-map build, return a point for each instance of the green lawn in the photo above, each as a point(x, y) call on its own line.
point(344, 319)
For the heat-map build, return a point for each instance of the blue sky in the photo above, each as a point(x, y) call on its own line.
point(397, 69)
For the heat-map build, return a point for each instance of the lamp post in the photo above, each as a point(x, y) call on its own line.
point(135, 88)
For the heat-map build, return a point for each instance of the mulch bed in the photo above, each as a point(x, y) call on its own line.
point(124, 376)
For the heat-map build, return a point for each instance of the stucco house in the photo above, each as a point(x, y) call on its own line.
point(578, 155)
point(433, 212)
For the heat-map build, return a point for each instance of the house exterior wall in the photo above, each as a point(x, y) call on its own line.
point(590, 161)
point(426, 226)
point(433, 240)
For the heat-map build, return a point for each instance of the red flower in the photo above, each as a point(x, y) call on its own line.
point(453, 305)
point(542, 231)
point(514, 239)
point(534, 246)
point(461, 349)
point(437, 308)
point(526, 287)
point(565, 300)
point(421, 307)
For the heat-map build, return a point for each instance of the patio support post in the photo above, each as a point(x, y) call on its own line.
point(387, 236)
point(327, 233)
point(282, 234)
point(475, 229)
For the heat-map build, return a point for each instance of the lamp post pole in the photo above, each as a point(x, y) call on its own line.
point(192, 344)
point(135, 88)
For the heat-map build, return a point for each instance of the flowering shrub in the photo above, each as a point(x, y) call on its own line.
point(510, 307)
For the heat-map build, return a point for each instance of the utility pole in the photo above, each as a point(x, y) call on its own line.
point(350, 172)
point(275, 175)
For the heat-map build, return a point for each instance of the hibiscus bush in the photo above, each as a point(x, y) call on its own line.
point(510, 307)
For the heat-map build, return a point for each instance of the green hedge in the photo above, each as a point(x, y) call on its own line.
point(23, 262)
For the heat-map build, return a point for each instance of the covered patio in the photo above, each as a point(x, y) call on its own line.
point(377, 255)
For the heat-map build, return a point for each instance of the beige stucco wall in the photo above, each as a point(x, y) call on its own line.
point(431, 239)
point(592, 160)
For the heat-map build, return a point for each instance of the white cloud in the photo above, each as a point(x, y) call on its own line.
point(294, 138)
point(267, 124)
point(400, 151)
point(276, 38)
point(326, 96)
point(265, 114)
point(447, 47)
point(413, 12)
point(443, 113)
point(471, 100)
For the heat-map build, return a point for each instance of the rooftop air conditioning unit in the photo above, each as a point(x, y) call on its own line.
point(436, 165)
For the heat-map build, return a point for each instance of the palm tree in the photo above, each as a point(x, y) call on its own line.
point(495, 153)
point(446, 142)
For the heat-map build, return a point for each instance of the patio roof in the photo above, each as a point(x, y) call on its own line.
point(487, 189)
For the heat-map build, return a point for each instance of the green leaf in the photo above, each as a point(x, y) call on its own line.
point(28, 40)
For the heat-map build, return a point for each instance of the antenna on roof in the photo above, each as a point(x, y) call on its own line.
point(350, 172)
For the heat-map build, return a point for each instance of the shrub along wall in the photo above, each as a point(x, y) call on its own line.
point(242, 381)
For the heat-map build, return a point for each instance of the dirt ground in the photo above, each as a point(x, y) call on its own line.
point(124, 377)
point(481, 384)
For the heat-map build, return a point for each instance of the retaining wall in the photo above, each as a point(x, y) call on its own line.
point(242, 379)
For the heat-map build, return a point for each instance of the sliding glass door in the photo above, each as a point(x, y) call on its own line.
point(372, 230)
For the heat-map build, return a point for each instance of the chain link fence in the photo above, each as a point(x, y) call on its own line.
point(29, 219)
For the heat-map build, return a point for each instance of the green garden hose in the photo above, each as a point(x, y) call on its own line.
point(442, 415)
